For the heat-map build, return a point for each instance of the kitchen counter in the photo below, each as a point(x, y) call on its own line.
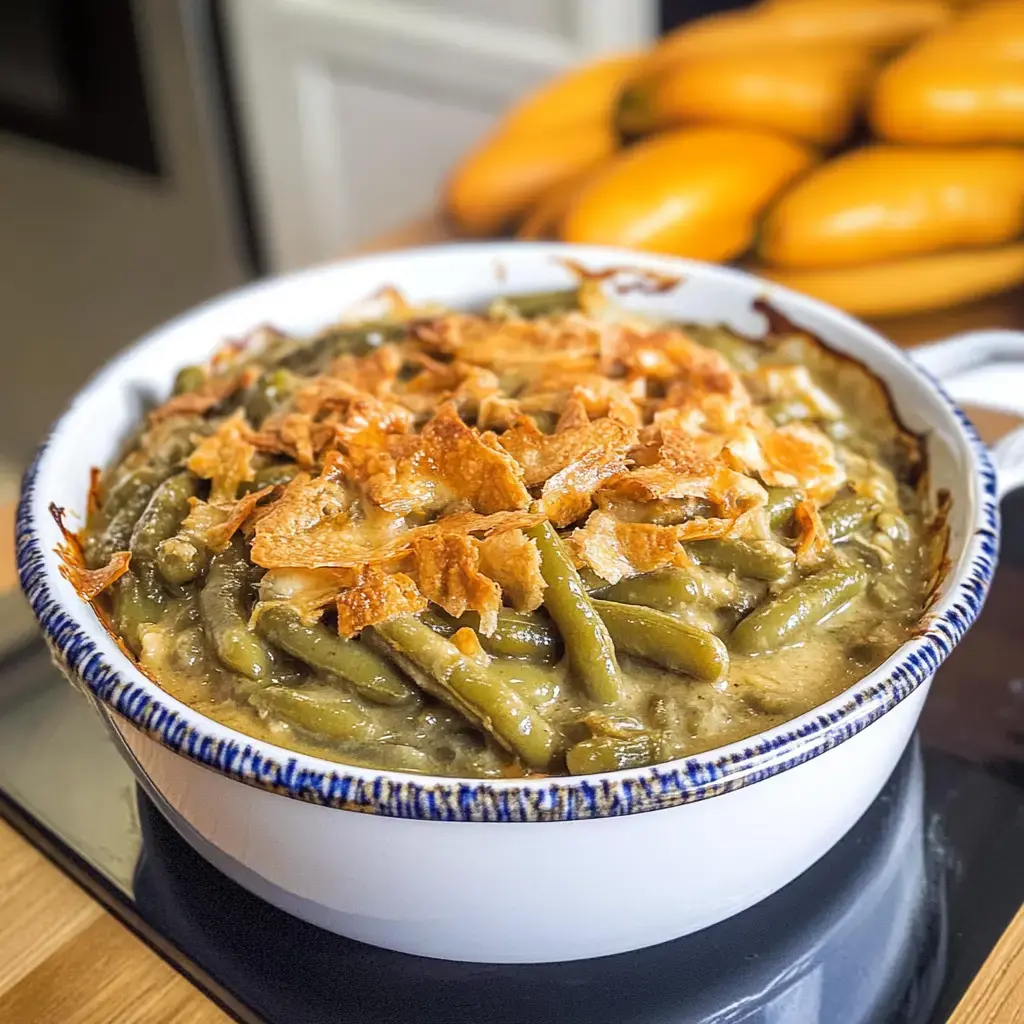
point(64, 958)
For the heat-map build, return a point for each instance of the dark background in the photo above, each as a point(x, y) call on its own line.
point(675, 12)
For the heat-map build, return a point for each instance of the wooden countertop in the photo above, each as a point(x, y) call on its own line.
point(66, 960)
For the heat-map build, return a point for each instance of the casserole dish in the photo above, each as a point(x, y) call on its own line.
point(517, 870)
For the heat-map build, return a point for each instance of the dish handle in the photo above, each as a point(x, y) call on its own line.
point(985, 369)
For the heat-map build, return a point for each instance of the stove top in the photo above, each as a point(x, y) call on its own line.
point(890, 926)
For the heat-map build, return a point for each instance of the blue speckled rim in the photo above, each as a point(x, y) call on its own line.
point(122, 688)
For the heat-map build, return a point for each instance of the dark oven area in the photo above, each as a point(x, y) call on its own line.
point(672, 13)
point(71, 76)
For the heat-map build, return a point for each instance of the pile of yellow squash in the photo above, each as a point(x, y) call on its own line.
point(868, 152)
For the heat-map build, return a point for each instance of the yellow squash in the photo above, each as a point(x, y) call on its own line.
point(964, 84)
point(544, 219)
point(912, 285)
point(696, 192)
point(876, 24)
point(812, 93)
point(587, 93)
point(982, 18)
point(500, 180)
point(883, 202)
point(550, 137)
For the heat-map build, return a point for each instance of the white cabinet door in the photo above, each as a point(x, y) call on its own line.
point(354, 110)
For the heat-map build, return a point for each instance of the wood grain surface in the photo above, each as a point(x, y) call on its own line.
point(66, 960)
point(996, 996)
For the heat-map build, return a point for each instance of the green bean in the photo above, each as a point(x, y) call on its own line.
point(133, 606)
point(537, 683)
point(876, 551)
point(760, 560)
point(272, 390)
point(120, 485)
point(665, 640)
point(321, 648)
point(781, 502)
point(222, 606)
point(592, 583)
point(277, 474)
point(443, 671)
point(189, 378)
point(535, 304)
point(847, 515)
point(741, 353)
point(588, 644)
point(113, 525)
point(318, 710)
point(894, 525)
point(126, 487)
point(668, 590)
point(358, 339)
point(641, 631)
point(782, 621)
point(609, 754)
point(110, 529)
point(355, 339)
point(163, 515)
point(442, 623)
point(181, 559)
point(169, 444)
point(517, 635)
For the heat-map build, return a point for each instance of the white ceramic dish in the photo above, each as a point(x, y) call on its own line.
point(515, 871)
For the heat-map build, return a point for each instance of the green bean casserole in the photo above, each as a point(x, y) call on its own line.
point(547, 537)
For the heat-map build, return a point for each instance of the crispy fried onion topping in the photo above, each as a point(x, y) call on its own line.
point(448, 573)
point(379, 596)
point(813, 544)
point(615, 549)
point(203, 399)
point(512, 560)
point(294, 434)
point(213, 525)
point(88, 583)
point(317, 524)
point(793, 384)
point(419, 464)
point(307, 591)
point(225, 458)
point(91, 582)
point(530, 347)
point(541, 455)
point(473, 465)
point(680, 469)
point(801, 456)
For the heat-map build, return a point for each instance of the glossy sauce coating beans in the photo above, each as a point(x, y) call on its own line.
point(516, 541)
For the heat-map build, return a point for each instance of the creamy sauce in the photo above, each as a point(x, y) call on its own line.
point(893, 550)
point(690, 716)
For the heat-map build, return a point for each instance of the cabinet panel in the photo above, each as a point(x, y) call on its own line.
point(549, 16)
point(354, 110)
point(395, 148)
